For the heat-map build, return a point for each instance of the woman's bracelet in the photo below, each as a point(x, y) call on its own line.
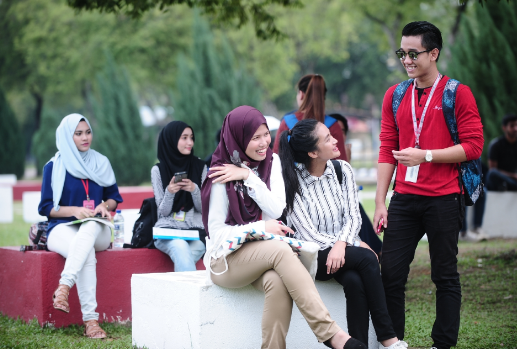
point(107, 207)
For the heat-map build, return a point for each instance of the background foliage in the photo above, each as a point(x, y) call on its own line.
point(486, 62)
point(12, 154)
point(51, 54)
point(118, 130)
point(209, 86)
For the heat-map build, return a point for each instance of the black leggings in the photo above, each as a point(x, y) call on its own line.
point(360, 277)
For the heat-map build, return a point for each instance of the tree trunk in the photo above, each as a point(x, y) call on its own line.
point(38, 110)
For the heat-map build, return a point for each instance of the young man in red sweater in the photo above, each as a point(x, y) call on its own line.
point(426, 197)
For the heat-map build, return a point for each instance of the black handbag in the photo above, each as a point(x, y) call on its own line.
point(143, 228)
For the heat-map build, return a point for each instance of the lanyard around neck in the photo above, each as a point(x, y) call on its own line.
point(418, 129)
point(86, 186)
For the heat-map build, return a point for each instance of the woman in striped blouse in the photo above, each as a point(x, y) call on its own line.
point(324, 211)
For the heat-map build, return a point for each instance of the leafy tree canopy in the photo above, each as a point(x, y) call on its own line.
point(485, 61)
point(236, 12)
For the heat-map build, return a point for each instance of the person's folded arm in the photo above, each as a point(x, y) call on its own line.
point(219, 231)
point(470, 131)
point(470, 128)
point(271, 202)
point(164, 199)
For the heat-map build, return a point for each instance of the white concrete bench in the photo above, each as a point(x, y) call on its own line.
point(31, 200)
point(7, 181)
point(500, 219)
point(177, 310)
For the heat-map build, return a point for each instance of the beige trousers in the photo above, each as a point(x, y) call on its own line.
point(273, 267)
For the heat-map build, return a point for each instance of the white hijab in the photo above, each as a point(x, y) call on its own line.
point(85, 165)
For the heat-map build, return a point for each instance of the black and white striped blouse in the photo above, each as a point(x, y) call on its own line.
point(326, 211)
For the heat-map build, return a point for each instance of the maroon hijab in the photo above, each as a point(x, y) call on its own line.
point(239, 126)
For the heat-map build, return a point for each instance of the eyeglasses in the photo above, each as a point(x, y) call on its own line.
point(401, 54)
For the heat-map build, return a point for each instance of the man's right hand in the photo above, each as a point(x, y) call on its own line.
point(381, 212)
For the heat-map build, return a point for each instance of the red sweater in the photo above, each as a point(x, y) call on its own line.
point(335, 131)
point(433, 179)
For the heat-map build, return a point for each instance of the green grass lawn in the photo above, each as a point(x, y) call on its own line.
point(488, 315)
point(17, 232)
point(489, 305)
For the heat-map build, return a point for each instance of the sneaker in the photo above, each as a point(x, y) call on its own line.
point(470, 237)
point(397, 345)
point(481, 234)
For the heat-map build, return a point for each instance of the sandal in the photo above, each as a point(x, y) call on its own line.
point(93, 330)
point(60, 298)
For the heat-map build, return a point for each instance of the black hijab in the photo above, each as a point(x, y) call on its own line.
point(172, 161)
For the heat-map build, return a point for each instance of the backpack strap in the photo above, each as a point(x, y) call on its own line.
point(329, 121)
point(339, 171)
point(448, 105)
point(448, 109)
point(290, 120)
point(398, 95)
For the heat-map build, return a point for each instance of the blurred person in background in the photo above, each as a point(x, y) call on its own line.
point(502, 158)
point(311, 105)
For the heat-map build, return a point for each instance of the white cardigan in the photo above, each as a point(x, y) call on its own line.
point(271, 202)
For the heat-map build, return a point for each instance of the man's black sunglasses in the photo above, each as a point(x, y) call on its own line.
point(401, 54)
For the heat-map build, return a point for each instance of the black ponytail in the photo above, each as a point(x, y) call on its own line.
point(295, 146)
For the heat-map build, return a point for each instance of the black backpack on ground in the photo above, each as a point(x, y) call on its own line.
point(143, 228)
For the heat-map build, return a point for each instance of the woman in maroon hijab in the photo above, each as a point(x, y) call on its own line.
point(243, 193)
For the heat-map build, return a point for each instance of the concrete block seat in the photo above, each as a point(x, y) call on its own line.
point(500, 214)
point(178, 310)
point(28, 280)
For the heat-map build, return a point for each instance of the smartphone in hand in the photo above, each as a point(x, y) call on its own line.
point(179, 176)
point(380, 227)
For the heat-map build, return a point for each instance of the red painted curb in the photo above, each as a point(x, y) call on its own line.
point(28, 280)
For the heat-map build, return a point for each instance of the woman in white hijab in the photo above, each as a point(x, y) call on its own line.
point(78, 183)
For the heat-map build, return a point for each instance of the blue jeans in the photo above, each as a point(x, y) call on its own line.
point(479, 212)
point(184, 253)
point(499, 182)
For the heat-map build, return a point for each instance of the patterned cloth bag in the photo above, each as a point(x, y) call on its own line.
point(306, 250)
point(38, 236)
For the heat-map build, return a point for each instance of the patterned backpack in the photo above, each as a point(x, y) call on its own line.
point(469, 172)
point(37, 237)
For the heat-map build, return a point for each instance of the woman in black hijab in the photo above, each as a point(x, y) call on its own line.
point(177, 180)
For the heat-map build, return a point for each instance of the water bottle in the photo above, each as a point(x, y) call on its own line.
point(118, 235)
point(360, 193)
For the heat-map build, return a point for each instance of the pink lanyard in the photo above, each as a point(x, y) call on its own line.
point(418, 130)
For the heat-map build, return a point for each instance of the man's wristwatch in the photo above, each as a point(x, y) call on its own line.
point(356, 243)
point(428, 156)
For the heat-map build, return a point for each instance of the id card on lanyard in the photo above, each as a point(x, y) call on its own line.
point(90, 204)
point(412, 172)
